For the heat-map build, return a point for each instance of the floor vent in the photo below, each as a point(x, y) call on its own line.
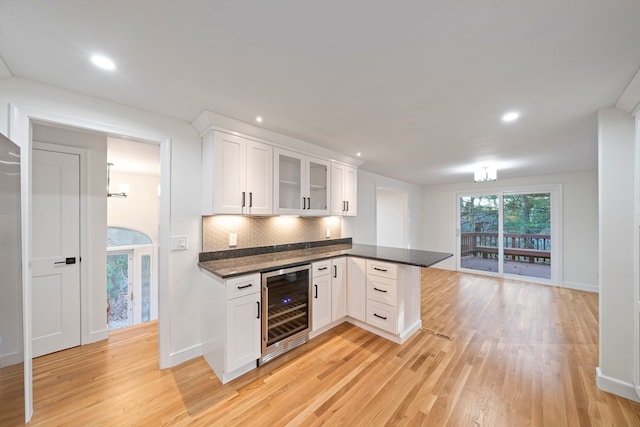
point(438, 334)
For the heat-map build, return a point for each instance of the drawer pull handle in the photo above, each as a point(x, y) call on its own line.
point(322, 268)
point(379, 290)
point(380, 269)
point(381, 317)
point(245, 286)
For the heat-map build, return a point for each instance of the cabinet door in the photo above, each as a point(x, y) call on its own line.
point(356, 288)
point(317, 187)
point(229, 154)
point(338, 288)
point(259, 167)
point(350, 190)
point(288, 168)
point(338, 205)
point(243, 331)
point(321, 308)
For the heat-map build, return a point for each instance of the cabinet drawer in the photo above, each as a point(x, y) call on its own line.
point(382, 269)
point(382, 316)
point(320, 268)
point(243, 285)
point(382, 289)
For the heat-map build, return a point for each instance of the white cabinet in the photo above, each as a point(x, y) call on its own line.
point(300, 184)
point(237, 175)
point(356, 288)
point(243, 331)
point(344, 190)
point(382, 288)
point(338, 288)
point(321, 294)
point(231, 328)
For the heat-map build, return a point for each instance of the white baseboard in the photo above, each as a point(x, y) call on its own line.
point(10, 359)
point(615, 386)
point(99, 335)
point(581, 287)
point(183, 355)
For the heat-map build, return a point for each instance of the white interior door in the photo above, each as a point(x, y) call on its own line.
point(56, 251)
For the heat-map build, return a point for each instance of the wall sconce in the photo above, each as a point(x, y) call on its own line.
point(122, 194)
point(485, 174)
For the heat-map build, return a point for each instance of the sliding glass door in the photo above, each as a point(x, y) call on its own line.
point(507, 233)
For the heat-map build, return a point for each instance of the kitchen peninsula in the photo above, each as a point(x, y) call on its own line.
point(375, 288)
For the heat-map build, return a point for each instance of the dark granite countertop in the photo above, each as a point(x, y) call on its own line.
point(226, 264)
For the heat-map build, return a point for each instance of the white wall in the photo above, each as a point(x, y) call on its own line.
point(391, 218)
point(580, 221)
point(363, 227)
point(183, 290)
point(615, 180)
point(139, 211)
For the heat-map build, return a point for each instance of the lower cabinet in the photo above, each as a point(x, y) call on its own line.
point(231, 327)
point(320, 294)
point(338, 288)
point(356, 288)
point(243, 331)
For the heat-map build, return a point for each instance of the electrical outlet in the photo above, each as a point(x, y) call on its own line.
point(328, 234)
point(233, 239)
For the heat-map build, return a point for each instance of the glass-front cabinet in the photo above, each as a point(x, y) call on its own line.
point(301, 184)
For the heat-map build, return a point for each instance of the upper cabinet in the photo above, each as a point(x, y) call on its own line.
point(344, 190)
point(237, 175)
point(300, 184)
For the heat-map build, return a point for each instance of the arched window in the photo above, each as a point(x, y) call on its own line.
point(117, 236)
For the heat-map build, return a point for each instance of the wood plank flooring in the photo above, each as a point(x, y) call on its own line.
point(520, 355)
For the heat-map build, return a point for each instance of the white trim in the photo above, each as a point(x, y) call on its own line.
point(99, 335)
point(20, 120)
point(581, 287)
point(10, 359)
point(185, 354)
point(615, 386)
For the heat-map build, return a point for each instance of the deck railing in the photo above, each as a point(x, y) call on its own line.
point(534, 248)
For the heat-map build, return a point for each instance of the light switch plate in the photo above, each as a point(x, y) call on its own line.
point(179, 243)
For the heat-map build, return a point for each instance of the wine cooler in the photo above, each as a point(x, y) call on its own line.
point(286, 310)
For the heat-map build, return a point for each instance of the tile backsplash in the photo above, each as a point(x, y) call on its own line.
point(265, 231)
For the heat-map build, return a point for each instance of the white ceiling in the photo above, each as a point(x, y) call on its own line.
point(417, 86)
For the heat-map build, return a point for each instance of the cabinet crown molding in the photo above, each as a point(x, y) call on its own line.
point(209, 121)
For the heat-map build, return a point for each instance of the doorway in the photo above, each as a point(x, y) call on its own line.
point(392, 218)
point(132, 232)
point(510, 233)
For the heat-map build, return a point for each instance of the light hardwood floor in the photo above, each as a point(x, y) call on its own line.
point(521, 354)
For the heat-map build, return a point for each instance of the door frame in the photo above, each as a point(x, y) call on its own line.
point(555, 191)
point(21, 118)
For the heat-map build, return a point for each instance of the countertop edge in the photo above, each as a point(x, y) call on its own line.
point(284, 263)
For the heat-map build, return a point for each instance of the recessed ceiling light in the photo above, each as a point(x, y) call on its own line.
point(259, 119)
point(103, 62)
point(511, 116)
point(358, 154)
